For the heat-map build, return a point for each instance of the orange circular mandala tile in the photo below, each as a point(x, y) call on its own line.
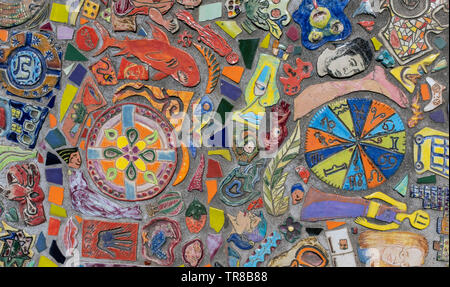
point(131, 152)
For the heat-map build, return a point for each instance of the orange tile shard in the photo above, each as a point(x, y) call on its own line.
point(233, 73)
point(56, 195)
point(211, 187)
point(333, 224)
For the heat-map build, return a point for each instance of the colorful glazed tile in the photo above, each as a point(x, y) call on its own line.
point(159, 239)
point(74, 11)
point(90, 9)
point(64, 32)
point(233, 73)
point(430, 152)
point(213, 67)
point(31, 66)
point(84, 20)
point(78, 74)
point(41, 243)
point(46, 27)
point(386, 59)
point(11, 215)
point(69, 94)
point(209, 37)
point(59, 13)
point(229, 90)
point(437, 90)
point(4, 35)
point(303, 172)
point(141, 32)
point(57, 211)
point(54, 175)
point(408, 75)
point(261, 92)
point(68, 69)
point(140, 143)
point(132, 71)
point(213, 242)
point(192, 253)
point(86, 38)
point(87, 100)
point(376, 43)
point(170, 204)
point(230, 27)
point(255, 204)
point(104, 72)
point(264, 250)
point(161, 99)
point(341, 248)
point(297, 193)
point(224, 109)
point(106, 14)
point(345, 165)
point(402, 186)
point(216, 218)
point(70, 237)
point(437, 116)
point(209, 11)
point(214, 169)
point(56, 253)
point(16, 247)
point(123, 23)
point(365, 7)
point(211, 188)
point(109, 240)
point(293, 33)
point(427, 179)
point(195, 216)
point(367, 25)
point(56, 195)
point(53, 226)
point(225, 153)
point(233, 7)
point(265, 42)
point(291, 84)
point(72, 54)
point(441, 65)
point(197, 179)
point(406, 33)
point(185, 164)
point(248, 49)
point(9, 154)
point(46, 262)
point(51, 159)
point(322, 21)
point(313, 231)
point(290, 229)
point(434, 197)
point(297, 50)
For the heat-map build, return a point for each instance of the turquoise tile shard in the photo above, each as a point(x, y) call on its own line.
point(210, 11)
point(440, 43)
point(55, 139)
point(402, 186)
point(41, 244)
point(248, 50)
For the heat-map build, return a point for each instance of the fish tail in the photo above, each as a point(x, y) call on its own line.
point(107, 40)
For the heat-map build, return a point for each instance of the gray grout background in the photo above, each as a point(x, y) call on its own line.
point(406, 167)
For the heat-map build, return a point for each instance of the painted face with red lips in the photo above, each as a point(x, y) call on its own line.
point(23, 184)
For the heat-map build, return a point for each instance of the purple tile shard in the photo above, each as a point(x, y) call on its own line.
point(54, 175)
point(229, 90)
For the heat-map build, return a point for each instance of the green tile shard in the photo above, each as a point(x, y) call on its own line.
point(248, 50)
point(72, 54)
point(402, 186)
point(230, 27)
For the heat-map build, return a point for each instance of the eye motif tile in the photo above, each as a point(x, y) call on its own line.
point(135, 146)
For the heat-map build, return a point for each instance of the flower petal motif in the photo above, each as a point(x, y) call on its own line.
point(132, 136)
point(140, 164)
point(131, 172)
point(122, 163)
point(148, 155)
point(151, 139)
point(112, 153)
point(141, 145)
point(122, 141)
point(111, 134)
point(291, 229)
point(150, 177)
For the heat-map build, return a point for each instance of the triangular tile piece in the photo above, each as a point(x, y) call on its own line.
point(214, 169)
point(265, 42)
point(402, 186)
point(41, 244)
point(437, 116)
point(230, 27)
point(367, 25)
point(45, 262)
point(333, 224)
point(142, 32)
point(66, 100)
point(224, 109)
point(83, 20)
point(67, 69)
point(72, 54)
point(46, 27)
point(431, 179)
point(197, 180)
point(225, 153)
point(231, 91)
point(313, 231)
point(248, 50)
point(51, 103)
point(51, 159)
point(40, 158)
point(211, 188)
point(233, 73)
